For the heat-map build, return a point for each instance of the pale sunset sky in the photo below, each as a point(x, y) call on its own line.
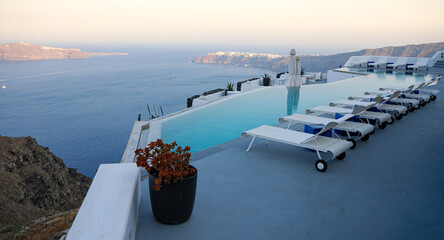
point(328, 26)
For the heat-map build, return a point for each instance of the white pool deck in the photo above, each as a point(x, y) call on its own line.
point(391, 187)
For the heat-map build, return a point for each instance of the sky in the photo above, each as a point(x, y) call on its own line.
point(316, 26)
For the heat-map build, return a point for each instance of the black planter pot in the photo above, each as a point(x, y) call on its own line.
point(266, 81)
point(173, 203)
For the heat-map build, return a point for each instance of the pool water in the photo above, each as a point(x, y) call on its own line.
point(225, 119)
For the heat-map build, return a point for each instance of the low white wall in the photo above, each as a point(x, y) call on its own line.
point(110, 208)
point(133, 142)
point(155, 131)
point(251, 85)
point(229, 93)
point(214, 96)
point(316, 75)
point(202, 100)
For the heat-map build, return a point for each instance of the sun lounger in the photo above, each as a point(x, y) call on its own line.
point(396, 110)
point(316, 142)
point(392, 89)
point(432, 92)
point(409, 103)
point(408, 93)
point(375, 118)
point(360, 130)
point(405, 93)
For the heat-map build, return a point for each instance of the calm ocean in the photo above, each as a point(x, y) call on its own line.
point(84, 110)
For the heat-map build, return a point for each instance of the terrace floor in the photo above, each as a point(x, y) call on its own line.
point(390, 187)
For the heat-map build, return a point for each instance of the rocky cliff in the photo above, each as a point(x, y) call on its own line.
point(315, 63)
point(35, 183)
point(26, 52)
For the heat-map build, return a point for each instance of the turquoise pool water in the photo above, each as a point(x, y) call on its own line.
point(224, 120)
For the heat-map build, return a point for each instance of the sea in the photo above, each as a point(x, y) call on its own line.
point(83, 110)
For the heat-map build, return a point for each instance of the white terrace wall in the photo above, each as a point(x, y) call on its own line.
point(110, 208)
point(202, 100)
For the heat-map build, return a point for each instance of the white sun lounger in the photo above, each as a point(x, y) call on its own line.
point(408, 93)
point(336, 147)
point(397, 110)
point(432, 92)
point(379, 118)
point(362, 130)
point(392, 89)
point(411, 104)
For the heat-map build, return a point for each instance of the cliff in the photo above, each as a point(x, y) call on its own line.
point(314, 63)
point(35, 183)
point(26, 52)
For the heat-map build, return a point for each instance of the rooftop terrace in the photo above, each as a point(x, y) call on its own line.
point(390, 187)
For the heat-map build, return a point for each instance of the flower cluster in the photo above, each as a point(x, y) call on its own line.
point(169, 163)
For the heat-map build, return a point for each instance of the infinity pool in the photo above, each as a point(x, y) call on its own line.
point(225, 119)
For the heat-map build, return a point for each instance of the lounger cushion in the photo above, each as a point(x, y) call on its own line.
point(315, 142)
point(278, 134)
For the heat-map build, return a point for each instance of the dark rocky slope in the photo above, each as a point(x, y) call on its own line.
point(35, 183)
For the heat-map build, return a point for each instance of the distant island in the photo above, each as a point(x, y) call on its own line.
point(22, 51)
point(314, 63)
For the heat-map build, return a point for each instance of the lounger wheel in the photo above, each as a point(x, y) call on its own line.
point(422, 103)
point(406, 112)
point(382, 125)
point(353, 142)
point(411, 108)
point(341, 156)
point(418, 106)
point(391, 120)
point(433, 97)
point(365, 137)
point(398, 116)
point(321, 165)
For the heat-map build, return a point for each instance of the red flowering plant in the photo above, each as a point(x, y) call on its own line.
point(169, 163)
